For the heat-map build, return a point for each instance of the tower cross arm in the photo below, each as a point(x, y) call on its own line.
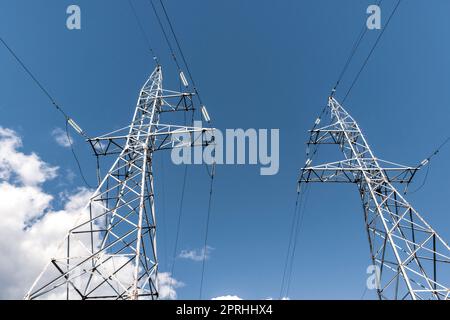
point(164, 136)
point(348, 171)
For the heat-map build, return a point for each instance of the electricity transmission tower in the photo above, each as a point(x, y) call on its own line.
point(111, 253)
point(412, 259)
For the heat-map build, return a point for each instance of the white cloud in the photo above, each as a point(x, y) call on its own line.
point(25, 169)
point(30, 228)
point(227, 297)
point(61, 138)
point(197, 254)
point(235, 297)
point(167, 286)
point(28, 239)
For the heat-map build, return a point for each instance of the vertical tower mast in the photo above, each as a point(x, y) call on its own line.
point(111, 253)
point(412, 259)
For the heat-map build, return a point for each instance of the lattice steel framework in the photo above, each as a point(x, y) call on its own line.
point(412, 259)
point(111, 253)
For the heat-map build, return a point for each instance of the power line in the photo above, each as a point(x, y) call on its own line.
point(364, 293)
point(435, 152)
point(143, 33)
point(296, 237)
point(177, 234)
point(76, 157)
point(355, 47)
point(44, 90)
point(172, 52)
point(36, 81)
point(205, 247)
point(180, 213)
point(297, 222)
point(163, 194)
point(291, 234)
point(427, 162)
point(181, 52)
point(68, 120)
point(287, 271)
point(372, 50)
point(421, 185)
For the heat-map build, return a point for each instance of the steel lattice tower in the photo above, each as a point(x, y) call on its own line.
point(412, 258)
point(111, 253)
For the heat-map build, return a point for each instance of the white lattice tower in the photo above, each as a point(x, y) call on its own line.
point(412, 259)
point(111, 253)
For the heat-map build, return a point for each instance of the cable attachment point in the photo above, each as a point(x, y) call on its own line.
point(183, 79)
point(333, 91)
point(205, 114)
point(75, 126)
point(424, 162)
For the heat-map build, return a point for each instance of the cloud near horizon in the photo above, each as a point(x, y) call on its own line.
point(227, 297)
point(31, 228)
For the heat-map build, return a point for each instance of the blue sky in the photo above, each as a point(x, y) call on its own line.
point(265, 64)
